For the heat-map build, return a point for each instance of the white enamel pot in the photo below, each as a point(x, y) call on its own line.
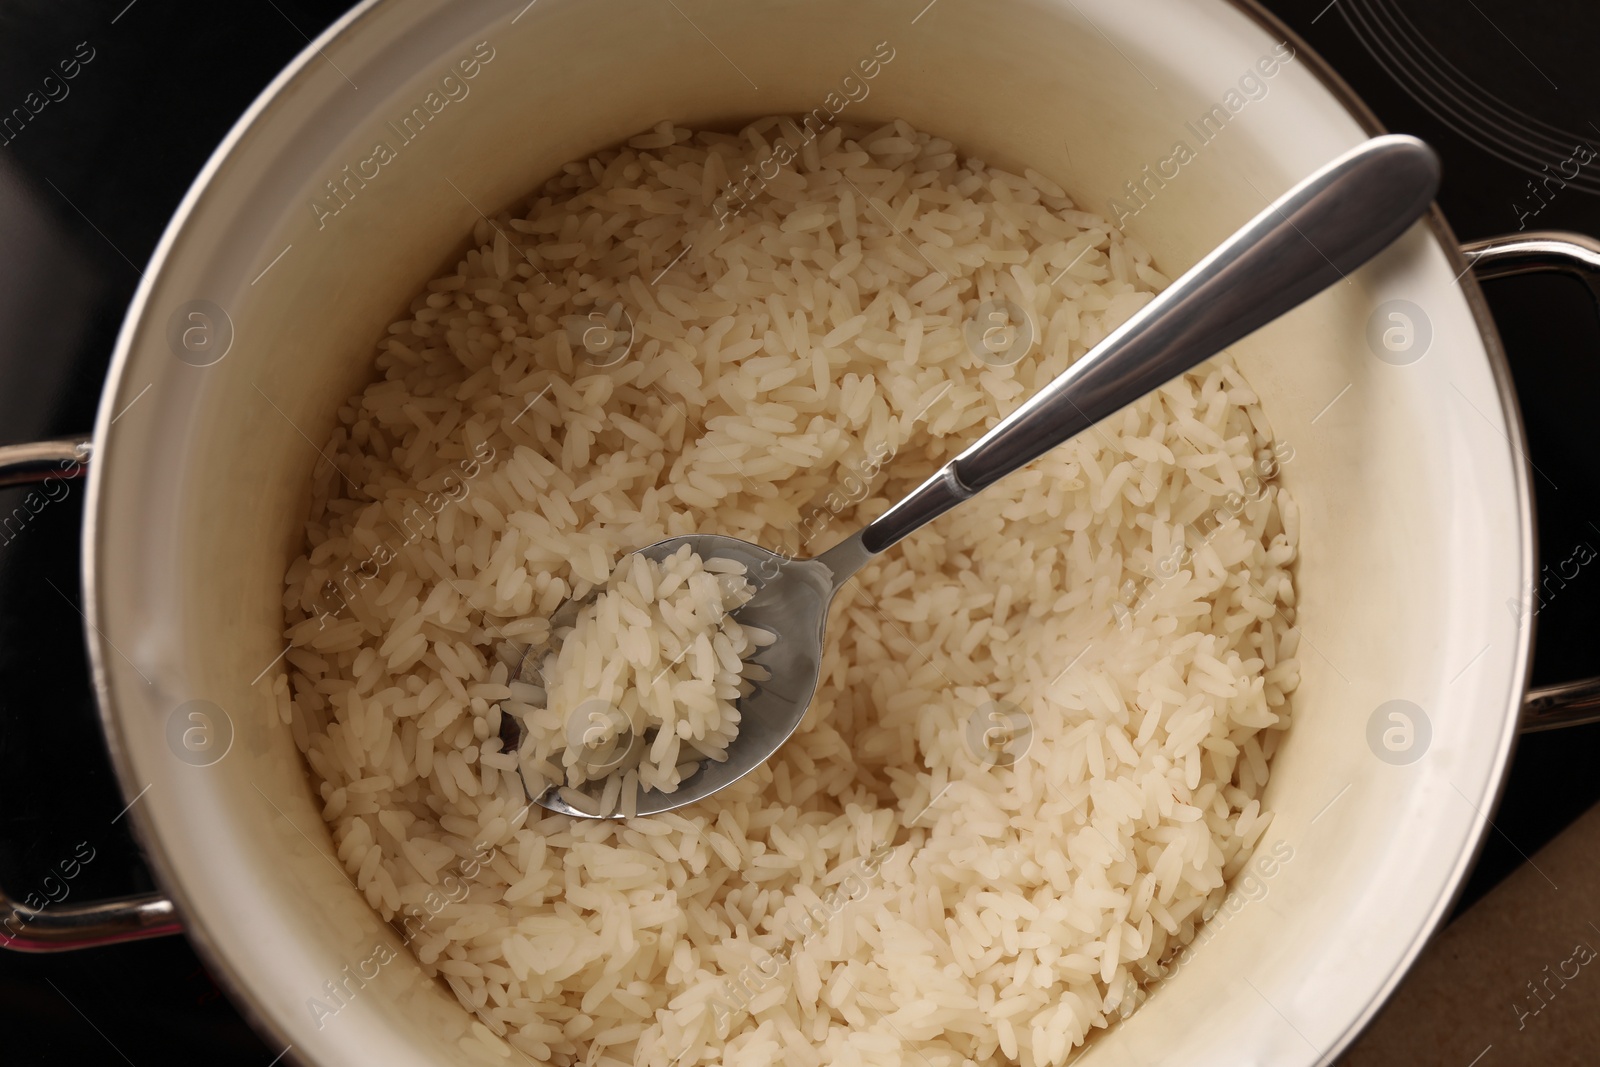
point(261, 308)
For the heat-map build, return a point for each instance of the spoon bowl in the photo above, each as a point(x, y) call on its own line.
point(791, 599)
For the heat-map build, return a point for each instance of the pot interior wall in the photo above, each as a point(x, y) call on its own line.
point(1412, 532)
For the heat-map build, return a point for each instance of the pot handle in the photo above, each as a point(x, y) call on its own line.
point(1540, 252)
point(52, 927)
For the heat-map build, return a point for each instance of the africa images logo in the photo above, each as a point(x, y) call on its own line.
point(453, 87)
point(1252, 86)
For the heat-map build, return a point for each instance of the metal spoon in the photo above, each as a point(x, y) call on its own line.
point(1306, 240)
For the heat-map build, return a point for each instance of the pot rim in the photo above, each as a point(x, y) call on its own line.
point(234, 981)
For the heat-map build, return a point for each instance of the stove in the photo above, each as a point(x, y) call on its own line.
point(123, 102)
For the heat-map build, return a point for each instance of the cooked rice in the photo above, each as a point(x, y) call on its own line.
point(642, 686)
point(885, 889)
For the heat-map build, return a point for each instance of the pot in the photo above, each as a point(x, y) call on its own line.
point(300, 242)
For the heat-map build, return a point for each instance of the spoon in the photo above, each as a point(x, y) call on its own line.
point(1306, 240)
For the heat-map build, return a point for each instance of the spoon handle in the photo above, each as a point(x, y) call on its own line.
point(1309, 238)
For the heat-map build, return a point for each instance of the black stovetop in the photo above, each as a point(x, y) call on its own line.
point(87, 185)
